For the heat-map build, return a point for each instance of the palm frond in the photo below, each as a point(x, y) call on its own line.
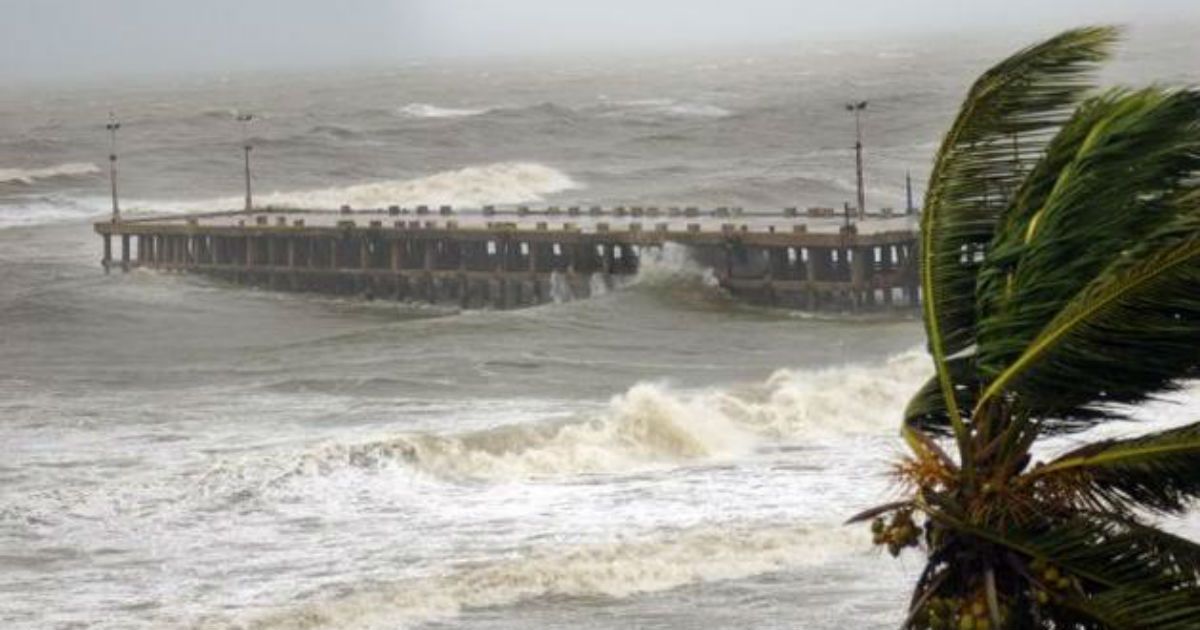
point(1130, 575)
point(1178, 556)
point(927, 409)
point(1133, 155)
point(1025, 97)
point(1160, 472)
point(995, 274)
point(1138, 608)
point(1095, 551)
point(1130, 333)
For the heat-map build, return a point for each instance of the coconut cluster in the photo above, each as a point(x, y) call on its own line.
point(898, 534)
point(1054, 581)
point(950, 613)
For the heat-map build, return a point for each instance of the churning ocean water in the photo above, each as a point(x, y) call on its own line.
point(178, 453)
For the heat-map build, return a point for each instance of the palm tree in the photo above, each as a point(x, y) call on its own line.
point(1060, 269)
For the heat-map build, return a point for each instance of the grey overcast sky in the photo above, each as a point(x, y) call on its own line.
point(68, 39)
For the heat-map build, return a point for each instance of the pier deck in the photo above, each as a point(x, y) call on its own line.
point(512, 257)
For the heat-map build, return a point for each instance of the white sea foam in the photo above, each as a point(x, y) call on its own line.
point(655, 426)
point(425, 110)
point(31, 175)
point(671, 108)
point(500, 183)
point(700, 110)
point(671, 263)
point(560, 288)
point(50, 210)
point(615, 570)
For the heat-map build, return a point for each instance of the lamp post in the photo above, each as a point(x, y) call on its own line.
point(857, 107)
point(245, 120)
point(112, 128)
point(909, 208)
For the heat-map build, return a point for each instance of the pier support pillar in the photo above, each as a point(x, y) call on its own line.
point(535, 292)
point(106, 259)
point(860, 261)
point(428, 264)
point(124, 252)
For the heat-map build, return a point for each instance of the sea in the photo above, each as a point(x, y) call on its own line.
point(180, 453)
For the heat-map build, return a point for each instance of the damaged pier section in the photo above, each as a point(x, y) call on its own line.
point(489, 258)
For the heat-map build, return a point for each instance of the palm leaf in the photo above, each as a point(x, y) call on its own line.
point(995, 275)
point(1138, 608)
point(1130, 573)
point(1130, 157)
point(927, 409)
point(1178, 556)
point(1133, 331)
point(1160, 472)
point(1084, 548)
point(1025, 96)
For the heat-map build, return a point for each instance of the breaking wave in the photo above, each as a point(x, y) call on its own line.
point(31, 175)
point(654, 108)
point(615, 570)
point(424, 110)
point(473, 186)
point(501, 183)
point(669, 108)
point(50, 209)
point(653, 426)
point(671, 264)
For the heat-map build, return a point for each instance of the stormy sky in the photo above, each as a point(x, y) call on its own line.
point(71, 39)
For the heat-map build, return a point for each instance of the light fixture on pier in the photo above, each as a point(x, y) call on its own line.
point(112, 128)
point(857, 107)
point(245, 120)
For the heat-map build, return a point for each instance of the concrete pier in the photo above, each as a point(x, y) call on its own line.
point(509, 258)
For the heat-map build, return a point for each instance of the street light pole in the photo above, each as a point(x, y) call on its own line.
point(112, 128)
point(909, 208)
point(245, 120)
point(858, 107)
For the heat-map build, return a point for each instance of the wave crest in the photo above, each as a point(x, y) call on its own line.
point(653, 426)
point(670, 108)
point(501, 183)
point(31, 175)
point(425, 110)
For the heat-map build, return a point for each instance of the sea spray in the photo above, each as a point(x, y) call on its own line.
point(670, 264)
point(560, 288)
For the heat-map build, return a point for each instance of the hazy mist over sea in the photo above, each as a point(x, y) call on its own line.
point(181, 453)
